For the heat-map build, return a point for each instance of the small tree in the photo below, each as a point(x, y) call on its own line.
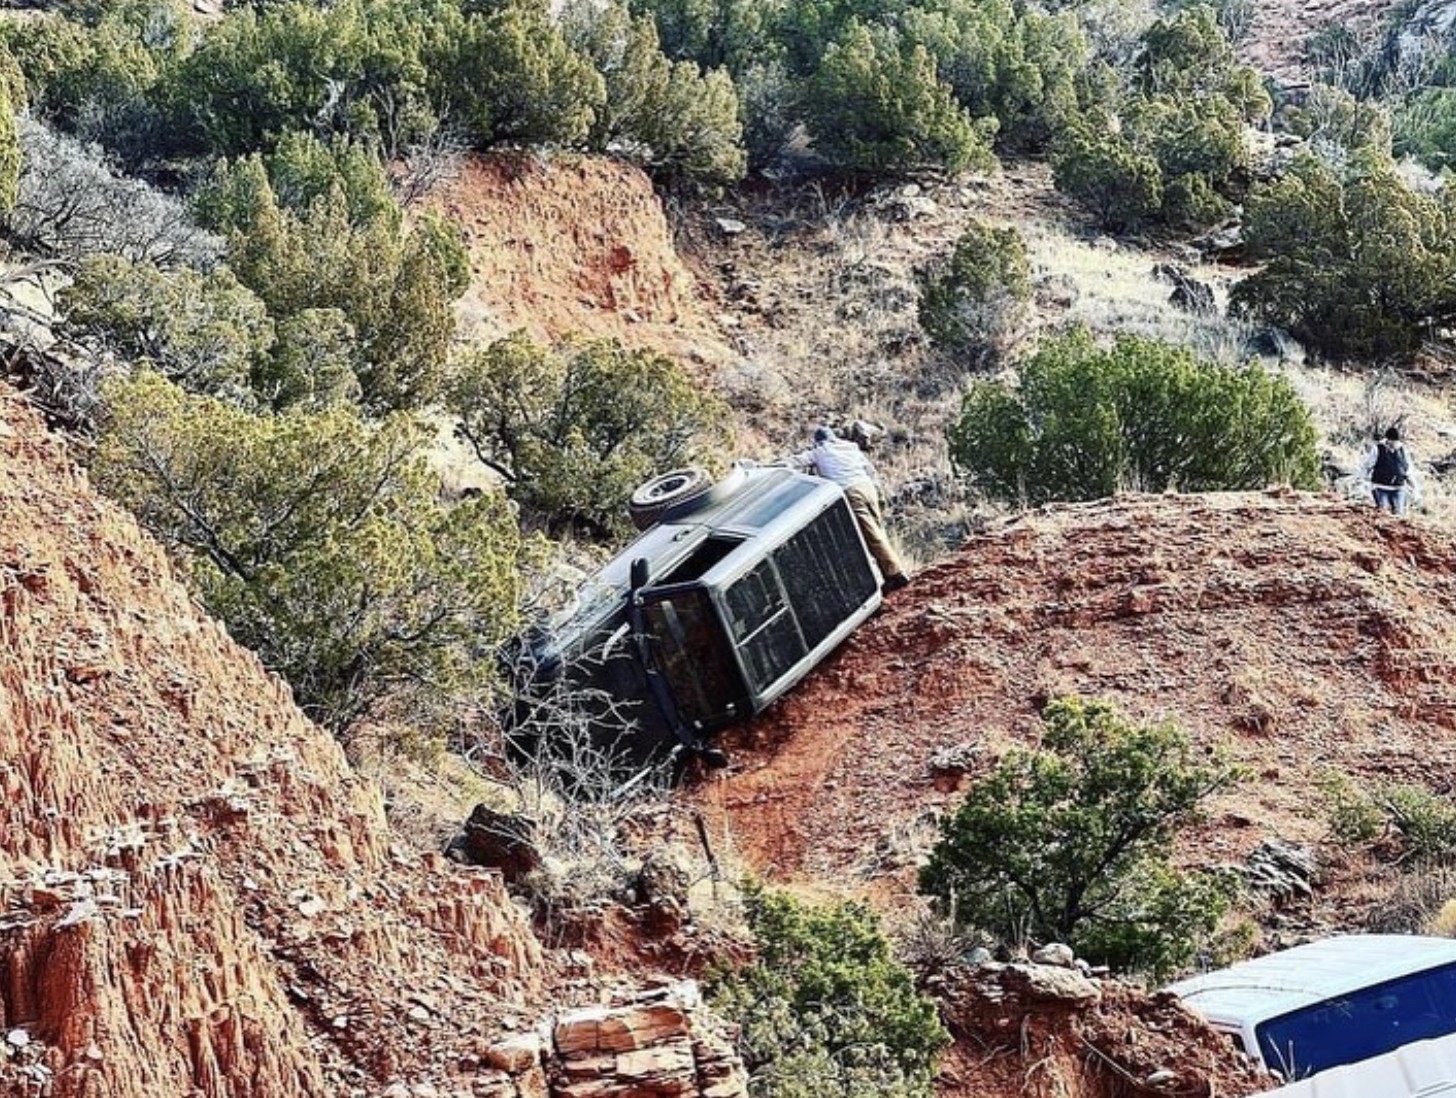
point(323, 544)
point(1071, 842)
point(974, 303)
point(206, 332)
point(90, 81)
point(675, 119)
point(1103, 171)
point(876, 104)
point(12, 95)
point(825, 1010)
point(314, 228)
point(574, 430)
point(1087, 421)
point(1176, 151)
point(516, 78)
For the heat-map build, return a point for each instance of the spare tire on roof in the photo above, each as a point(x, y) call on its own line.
point(668, 490)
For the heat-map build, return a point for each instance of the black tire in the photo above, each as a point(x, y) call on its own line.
point(669, 491)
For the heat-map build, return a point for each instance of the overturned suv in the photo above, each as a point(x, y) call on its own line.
point(732, 593)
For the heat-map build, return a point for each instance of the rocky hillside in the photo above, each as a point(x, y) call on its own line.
point(1303, 633)
point(1278, 31)
point(197, 896)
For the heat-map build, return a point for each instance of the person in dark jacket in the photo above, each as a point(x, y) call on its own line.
point(1391, 473)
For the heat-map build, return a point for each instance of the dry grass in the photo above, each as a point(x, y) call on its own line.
point(427, 799)
point(835, 334)
point(1111, 289)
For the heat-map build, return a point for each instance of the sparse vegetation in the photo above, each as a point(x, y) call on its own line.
point(1086, 421)
point(314, 228)
point(1357, 263)
point(1102, 170)
point(666, 115)
point(1173, 149)
point(825, 1011)
point(876, 103)
point(974, 303)
point(1352, 815)
point(1070, 842)
point(1422, 823)
point(206, 332)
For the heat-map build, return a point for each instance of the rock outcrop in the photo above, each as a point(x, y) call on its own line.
point(572, 247)
point(1078, 1036)
point(200, 899)
point(658, 1044)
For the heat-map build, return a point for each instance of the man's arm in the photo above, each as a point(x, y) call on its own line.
point(802, 461)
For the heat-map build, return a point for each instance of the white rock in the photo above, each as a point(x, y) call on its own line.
point(17, 1038)
point(1055, 953)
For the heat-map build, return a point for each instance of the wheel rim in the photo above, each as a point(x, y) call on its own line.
point(670, 484)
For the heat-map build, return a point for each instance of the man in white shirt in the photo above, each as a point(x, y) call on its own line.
point(841, 461)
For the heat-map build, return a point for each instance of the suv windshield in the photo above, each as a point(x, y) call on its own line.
point(1362, 1024)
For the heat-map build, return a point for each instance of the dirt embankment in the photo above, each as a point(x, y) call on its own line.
point(197, 895)
point(571, 246)
point(1300, 632)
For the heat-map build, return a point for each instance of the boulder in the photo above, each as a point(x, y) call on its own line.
point(515, 1055)
point(1282, 870)
point(498, 840)
point(659, 1045)
point(619, 1029)
point(1188, 294)
point(1055, 953)
point(1053, 984)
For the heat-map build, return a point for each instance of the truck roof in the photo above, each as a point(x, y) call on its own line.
point(1425, 1069)
point(1277, 983)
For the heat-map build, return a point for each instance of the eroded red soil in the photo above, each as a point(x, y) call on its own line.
point(1301, 633)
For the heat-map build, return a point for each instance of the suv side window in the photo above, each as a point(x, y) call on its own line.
point(764, 627)
point(1362, 1024)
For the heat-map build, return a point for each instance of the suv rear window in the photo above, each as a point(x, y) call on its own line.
point(826, 571)
point(1362, 1024)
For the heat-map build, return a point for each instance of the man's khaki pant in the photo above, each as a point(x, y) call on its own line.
point(864, 501)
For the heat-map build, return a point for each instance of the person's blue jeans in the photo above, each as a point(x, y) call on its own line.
point(1390, 499)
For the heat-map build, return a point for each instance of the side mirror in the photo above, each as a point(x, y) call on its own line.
point(639, 575)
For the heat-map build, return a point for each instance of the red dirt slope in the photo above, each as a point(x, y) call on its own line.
point(197, 896)
point(1303, 632)
point(573, 245)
